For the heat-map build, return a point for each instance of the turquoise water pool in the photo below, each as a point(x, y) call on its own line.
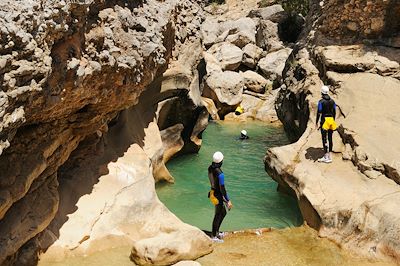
point(253, 193)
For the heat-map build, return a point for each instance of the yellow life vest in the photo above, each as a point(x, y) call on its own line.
point(239, 109)
point(212, 197)
point(329, 124)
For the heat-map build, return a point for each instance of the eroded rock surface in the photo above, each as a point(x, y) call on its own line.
point(68, 69)
point(351, 200)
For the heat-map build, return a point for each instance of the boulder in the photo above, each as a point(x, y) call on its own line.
point(169, 247)
point(227, 86)
point(265, 13)
point(239, 32)
point(212, 63)
point(251, 55)
point(228, 56)
point(267, 36)
point(273, 64)
point(210, 30)
point(254, 82)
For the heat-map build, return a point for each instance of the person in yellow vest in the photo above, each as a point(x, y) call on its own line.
point(218, 195)
point(239, 110)
point(327, 113)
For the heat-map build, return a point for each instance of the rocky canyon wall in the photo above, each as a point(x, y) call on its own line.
point(352, 46)
point(68, 70)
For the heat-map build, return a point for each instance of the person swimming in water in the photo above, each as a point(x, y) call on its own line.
point(243, 135)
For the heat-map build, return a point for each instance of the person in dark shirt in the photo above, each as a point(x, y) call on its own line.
point(218, 195)
point(243, 135)
point(327, 113)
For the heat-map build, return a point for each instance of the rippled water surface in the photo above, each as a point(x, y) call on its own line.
point(253, 192)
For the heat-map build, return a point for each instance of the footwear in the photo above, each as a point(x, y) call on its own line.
point(325, 159)
point(217, 240)
point(221, 235)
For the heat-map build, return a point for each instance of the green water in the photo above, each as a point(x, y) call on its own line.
point(253, 193)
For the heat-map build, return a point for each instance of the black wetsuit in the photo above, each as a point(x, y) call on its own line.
point(242, 137)
point(326, 108)
point(218, 184)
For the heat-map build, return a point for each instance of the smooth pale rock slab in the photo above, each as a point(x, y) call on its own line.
point(228, 86)
point(227, 55)
point(251, 54)
point(273, 64)
point(254, 81)
point(355, 58)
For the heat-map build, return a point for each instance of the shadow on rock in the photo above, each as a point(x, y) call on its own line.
point(314, 154)
point(89, 161)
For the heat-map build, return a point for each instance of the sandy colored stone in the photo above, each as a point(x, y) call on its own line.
point(272, 65)
point(290, 246)
point(251, 55)
point(121, 210)
point(228, 87)
point(351, 200)
point(354, 58)
point(228, 56)
point(255, 82)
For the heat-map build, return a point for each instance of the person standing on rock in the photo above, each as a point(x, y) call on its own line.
point(218, 195)
point(327, 113)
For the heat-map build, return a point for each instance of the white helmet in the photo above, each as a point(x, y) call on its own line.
point(244, 132)
point(324, 89)
point(218, 157)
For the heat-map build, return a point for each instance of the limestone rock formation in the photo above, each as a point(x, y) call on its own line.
point(238, 32)
point(251, 54)
point(267, 36)
point(257, 107)
point(266, 13)
point(273, 63)
point(68, 69)
point(227, 87)
point(257, 35)
point(255, 82)
point(352, 200)
point(228, 56)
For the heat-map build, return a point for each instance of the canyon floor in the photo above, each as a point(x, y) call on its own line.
point(291, 246)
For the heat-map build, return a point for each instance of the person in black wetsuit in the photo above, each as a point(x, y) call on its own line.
point(327, 113)
point(243, 135)
point(218, 194)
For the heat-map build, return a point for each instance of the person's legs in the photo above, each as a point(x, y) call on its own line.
point(330, 133)
point(324, 144)
point(219, 215)
point(326, 157)
point(223, 214)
